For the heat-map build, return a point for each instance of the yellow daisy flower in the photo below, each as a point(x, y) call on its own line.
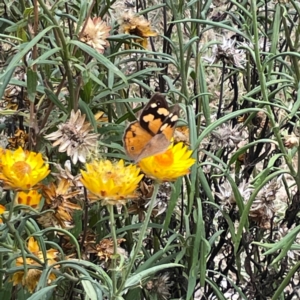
point(31, 198)
point(32, 277)
point(22, 169)
point(2, 210)
point(170, 165)
point(112, 183)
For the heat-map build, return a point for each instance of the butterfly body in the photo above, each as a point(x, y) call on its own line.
point(153, 132)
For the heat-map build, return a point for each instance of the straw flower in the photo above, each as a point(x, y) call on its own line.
point(263, 207)
point(168, 166)
point(105, 249)
point(22, 169)
point(95, 34)
point(227, 52)
point(74, 137)
point(291, 141)
point(2, 210)
point(136, 25)
point(227, 197)
point(57, 198)
point(227, 137)
point(30, 280)
point(31, 198)
point(160, 286)
point(111, 183)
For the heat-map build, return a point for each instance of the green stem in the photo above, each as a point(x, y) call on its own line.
point(115, 254)
point(264, 92)
point(182, 58)
point(61, 42)
point(141, 238)
point(1, 267)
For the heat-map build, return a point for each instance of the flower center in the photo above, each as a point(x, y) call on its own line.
point(166, 159)
point(21, 168)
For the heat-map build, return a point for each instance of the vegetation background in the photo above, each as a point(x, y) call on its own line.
point(229, 229)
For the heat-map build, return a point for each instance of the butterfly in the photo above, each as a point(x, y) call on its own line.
point(152, 133)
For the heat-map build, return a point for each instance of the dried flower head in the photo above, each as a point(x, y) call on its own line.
point(95, 33)
point(89, 244)
point(262, 209)
point(47, 220)
point(12, 95)
point(181, 134)
point(105, 249)
point(57, 198)
point(291, 141)
point(160, 286)
point(228, 53)
point(136, 25)
point(31, 278)
point(226, 195)
point(74, 137)
point(19, 139)
point(227, 137)
point(140, 206)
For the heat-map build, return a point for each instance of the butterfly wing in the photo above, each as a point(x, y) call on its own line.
point(160, 142)
point(154, 114)
point(135, 138)
point(153, 133)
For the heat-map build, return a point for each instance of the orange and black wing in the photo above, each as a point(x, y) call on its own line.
point(135, 139)
point(154, 131)
point(154, 114)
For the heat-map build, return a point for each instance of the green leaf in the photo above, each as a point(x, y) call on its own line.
point(213, 24)
point(53, 98)
point(91, 289)
point(137, 278)
point(5, 77)
point(43, 294)
point(89, 114)
point(100, 58)
point(222, 120)
point(42, 58)
point(31, 84)
point(6, 290)
point(172, 203)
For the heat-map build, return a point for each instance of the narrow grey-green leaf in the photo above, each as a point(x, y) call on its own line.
point(31, 84)
point(100, 58)
point(53, 98)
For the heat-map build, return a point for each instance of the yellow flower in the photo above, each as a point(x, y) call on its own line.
point(170, 165)
point(32, 277)
point(136, 25)
point(2, 210)
point(22, 169)
point(112, 183)
point(31, 198)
